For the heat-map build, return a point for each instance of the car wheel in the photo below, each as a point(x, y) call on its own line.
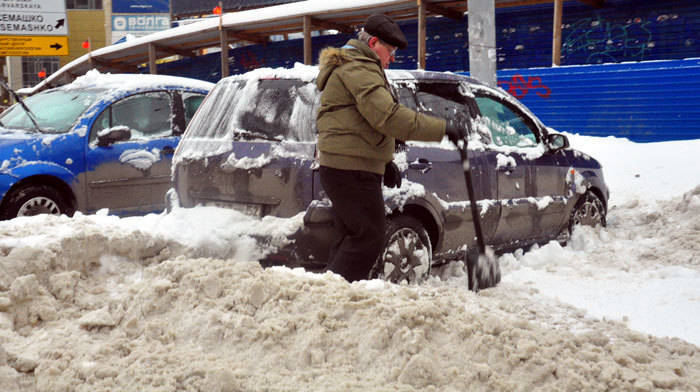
point(34, 200)
point(407, 254)
point(589, 211)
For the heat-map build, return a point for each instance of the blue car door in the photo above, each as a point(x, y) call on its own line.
point(131, 176)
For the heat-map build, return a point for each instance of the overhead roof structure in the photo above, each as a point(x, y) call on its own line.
point(188, 8)
point(255, 26)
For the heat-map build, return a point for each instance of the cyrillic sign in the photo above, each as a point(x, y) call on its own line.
point(132, 25)
point(33, 17)
point(33, 28)
point(32, 45)
point(140, 22)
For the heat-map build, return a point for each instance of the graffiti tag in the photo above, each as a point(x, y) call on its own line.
point(249, 61)
point(606, 42)
point(519, 87)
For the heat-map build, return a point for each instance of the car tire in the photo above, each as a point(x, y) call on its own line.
point(407, 252)
point(33, 200)
point(589, 211)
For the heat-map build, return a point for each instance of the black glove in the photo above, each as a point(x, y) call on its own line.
point(455, 131)
point(392, 175)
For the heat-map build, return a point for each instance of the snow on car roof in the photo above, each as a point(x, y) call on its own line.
point(308, 73)
point(300, 71)
point(94, 78)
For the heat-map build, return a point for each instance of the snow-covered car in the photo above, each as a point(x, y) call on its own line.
point(103, 141)
point(252, 147)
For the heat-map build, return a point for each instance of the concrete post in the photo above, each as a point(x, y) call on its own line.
point(482, 40)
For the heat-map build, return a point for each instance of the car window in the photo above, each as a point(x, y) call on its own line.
point(268, 109)
point(442, 100)
point(55, 110)
point(508, 127)
point(191, 102)
point(405, 96)
point(146, 115)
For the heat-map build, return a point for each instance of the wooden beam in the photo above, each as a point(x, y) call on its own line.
point(556, 39)
point(241, 36)
point(422, 5)
point(152, 56)
point(446, 12)
point(172, 50)
point(328, 25)
point(223, 38)
point(307, 41)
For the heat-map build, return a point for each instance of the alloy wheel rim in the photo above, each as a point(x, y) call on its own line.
point(590, 213)
point(405, 258)
point(39, 205)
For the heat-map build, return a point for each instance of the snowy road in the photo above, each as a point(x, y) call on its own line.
point(169, 302)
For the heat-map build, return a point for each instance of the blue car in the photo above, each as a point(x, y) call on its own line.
point(102, 141)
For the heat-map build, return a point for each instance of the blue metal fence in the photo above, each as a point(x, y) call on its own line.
point(644, 101)
point(641, 99)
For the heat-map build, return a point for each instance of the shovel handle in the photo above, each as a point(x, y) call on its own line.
point(476, 218)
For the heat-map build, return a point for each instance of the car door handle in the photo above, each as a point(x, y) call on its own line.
point(421, 164)
point(167, 150)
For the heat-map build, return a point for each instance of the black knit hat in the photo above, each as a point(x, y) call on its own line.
point(382, 27)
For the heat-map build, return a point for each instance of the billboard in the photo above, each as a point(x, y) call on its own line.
point(140, 6)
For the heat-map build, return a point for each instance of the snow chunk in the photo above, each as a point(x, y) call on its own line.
point(140, 159)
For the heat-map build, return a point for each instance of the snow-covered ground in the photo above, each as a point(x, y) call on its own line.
point(172, 302)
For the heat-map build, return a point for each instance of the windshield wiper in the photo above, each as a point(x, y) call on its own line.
point(19, 100)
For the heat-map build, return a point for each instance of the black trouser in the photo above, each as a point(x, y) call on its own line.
point(358, 208)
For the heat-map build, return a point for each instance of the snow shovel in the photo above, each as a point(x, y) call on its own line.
point(482, 267)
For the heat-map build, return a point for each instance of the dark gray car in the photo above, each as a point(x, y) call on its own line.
point(252, 147)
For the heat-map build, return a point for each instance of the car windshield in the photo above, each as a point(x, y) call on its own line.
point(56, 111)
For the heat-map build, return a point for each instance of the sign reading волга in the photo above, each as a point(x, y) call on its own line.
point(33, 28)
point(138, 25)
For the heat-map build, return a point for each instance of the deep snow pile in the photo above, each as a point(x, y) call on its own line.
point(93, 303)
point(171, 302)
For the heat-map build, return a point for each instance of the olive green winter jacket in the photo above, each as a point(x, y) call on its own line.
point(359, 118)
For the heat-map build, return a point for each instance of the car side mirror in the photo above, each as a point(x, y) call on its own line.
point(557, 141)
point(112, 135)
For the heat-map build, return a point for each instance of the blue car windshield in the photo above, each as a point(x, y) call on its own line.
point(55, 111)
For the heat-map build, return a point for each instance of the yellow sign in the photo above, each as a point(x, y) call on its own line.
point(33, 45)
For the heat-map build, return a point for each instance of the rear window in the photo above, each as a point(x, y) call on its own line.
point(268, 109)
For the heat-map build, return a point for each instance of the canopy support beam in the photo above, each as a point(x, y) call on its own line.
point(556, 32)
point(422, 8)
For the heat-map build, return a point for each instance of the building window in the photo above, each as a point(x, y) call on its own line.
point(84, 4)
point(31, 66)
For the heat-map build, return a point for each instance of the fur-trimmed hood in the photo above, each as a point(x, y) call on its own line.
point(331, 58)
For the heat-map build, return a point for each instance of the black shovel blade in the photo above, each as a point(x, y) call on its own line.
point(483, 269)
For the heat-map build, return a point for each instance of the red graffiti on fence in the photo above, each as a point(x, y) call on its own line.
point(519, 88)
point(249, 61)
